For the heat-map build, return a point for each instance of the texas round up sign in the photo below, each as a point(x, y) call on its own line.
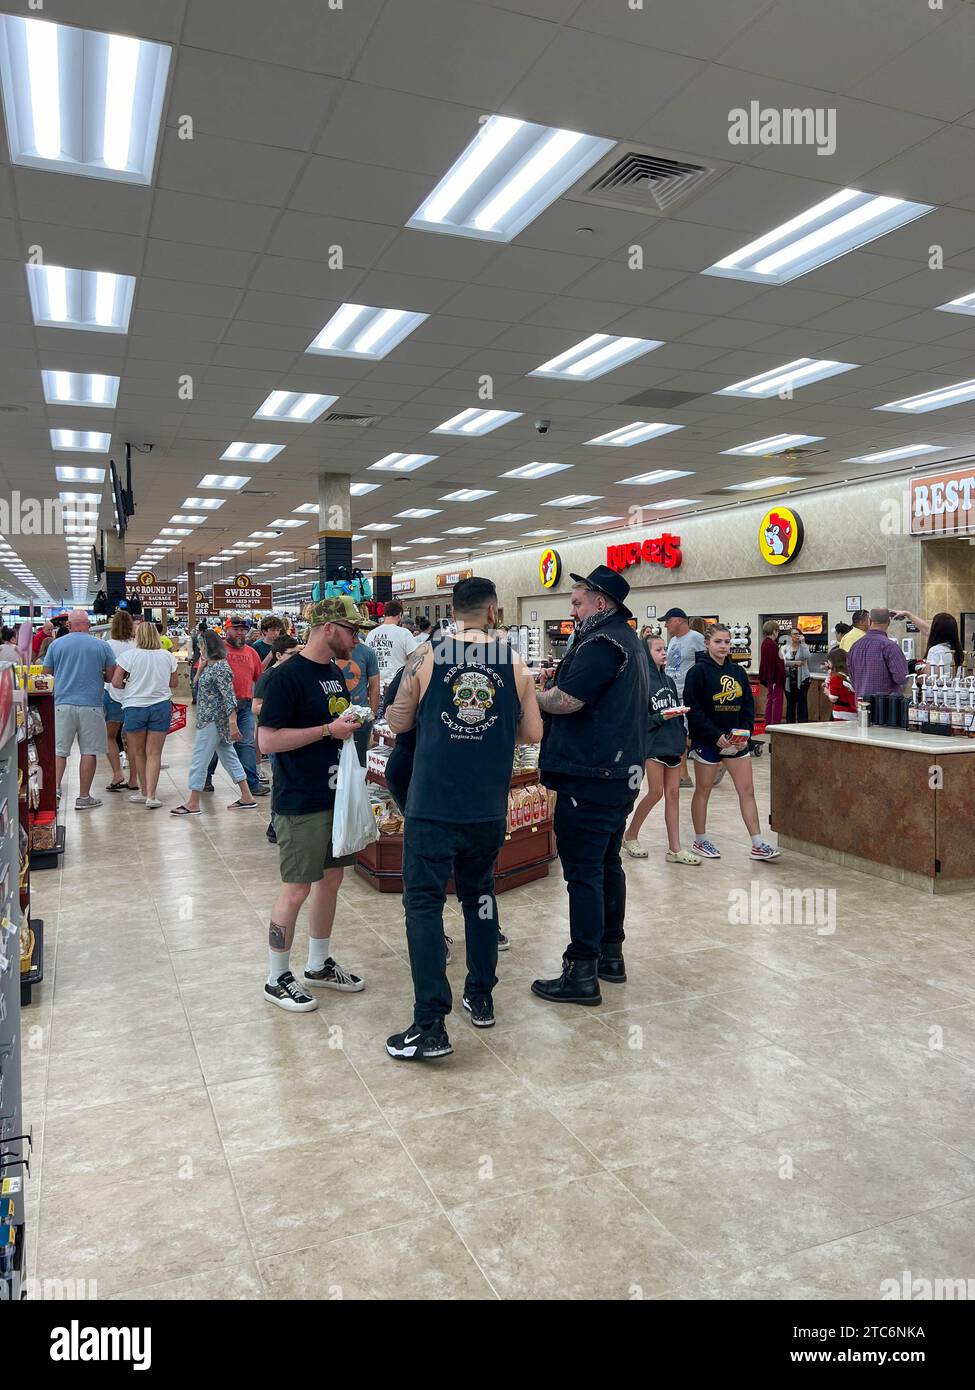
point(780, 536)
point(549, 568)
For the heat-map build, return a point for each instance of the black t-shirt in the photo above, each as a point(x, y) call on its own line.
point(594, 668)
point(261, 684)
point(305, 693)
point(262, 648)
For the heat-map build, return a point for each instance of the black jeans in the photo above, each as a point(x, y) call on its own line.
point(589, 837)
point(797, 705)
point(432, 852)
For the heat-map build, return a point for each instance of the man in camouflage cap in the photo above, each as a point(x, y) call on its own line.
point(304, 723)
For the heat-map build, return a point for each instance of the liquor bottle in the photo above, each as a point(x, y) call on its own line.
point(924, 711)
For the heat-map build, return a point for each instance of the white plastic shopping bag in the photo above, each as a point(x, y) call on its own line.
point(353, 823)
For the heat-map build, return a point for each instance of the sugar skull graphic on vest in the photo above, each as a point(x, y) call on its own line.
point(473, 696)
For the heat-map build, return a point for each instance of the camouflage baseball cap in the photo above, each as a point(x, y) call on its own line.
point(336, 610)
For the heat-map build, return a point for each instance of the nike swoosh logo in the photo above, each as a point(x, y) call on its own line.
point(413, 1039)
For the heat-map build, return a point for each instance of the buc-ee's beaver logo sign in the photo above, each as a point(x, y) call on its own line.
point(780, 536)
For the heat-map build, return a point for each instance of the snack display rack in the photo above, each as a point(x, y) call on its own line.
point(15, 1144)
point(41, 838)
point(529, 845)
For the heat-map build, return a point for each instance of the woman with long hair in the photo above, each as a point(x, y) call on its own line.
point(216, 728)
point(146, 675)
point(944, 644)
point(771, 673)
point(721, 717)
point(120, 639)
point(666, 742)
point(839, 687)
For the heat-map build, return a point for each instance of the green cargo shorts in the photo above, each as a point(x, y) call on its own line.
point(305, 847)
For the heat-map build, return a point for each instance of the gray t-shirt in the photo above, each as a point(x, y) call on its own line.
point(80, 663)
point(681, 655)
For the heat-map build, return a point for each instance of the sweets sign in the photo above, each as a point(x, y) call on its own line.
point(242, 594)
point(662, 550)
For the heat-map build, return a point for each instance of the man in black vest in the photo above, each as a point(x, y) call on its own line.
point(592, 755)
point(471, 699)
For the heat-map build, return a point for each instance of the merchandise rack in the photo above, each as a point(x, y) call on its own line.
point(43, 702)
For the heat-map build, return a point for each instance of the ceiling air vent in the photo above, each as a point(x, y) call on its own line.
point(643, 180)
point(793, 454)
point(335, 418)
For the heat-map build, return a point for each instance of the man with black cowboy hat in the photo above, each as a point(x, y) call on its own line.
point(592, 754)
point(304, 720)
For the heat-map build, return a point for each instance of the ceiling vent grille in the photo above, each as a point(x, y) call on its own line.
point(643, 180)
point(335, 418)
point(793, 454)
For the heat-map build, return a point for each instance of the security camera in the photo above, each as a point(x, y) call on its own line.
point(541, 426)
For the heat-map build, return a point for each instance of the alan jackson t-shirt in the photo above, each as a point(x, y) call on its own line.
point(302, 694)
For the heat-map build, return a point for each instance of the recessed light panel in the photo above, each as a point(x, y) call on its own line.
point(475, 422)
point(463, 530)
point(907, 451)
point(300, 407)
point(360, 489)
point(232, 482)
point(97, 301)
point(310, 508)
point(789, 377)
point(513, 516)
point(402, 463)
point(80, 388)
point(251, 453)
point(636, 433)
point(67, 474)
point(573, 499)
point(509, 173)
point(536, 470)
point(80, 441)
point(656, 475)
point(419, 513)
point(933, 400)
point(285, 523)
point(838, 224)
point(467, 494)
point(204, 504)
point(181, 520)
point(79, 101)
point(359, 330)
point(774, 444)
point(382, 526)
point(594, 357)
point(763, 482)
point(671, 502)
point(596, 520)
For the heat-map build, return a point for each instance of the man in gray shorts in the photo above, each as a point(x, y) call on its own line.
point(80, 664)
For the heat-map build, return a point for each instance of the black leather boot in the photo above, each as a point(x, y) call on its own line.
point(576, 985)
point(612, 966)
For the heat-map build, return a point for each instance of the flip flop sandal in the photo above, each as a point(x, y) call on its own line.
point(119, 787)
point(242, 806)
point(184, 811)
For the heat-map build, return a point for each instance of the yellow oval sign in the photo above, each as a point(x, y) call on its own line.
point(549, 568)
point(780, 535)
point(242, 581)
point(147, 578)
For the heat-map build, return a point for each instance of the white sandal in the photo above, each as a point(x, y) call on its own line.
point(635, 850)
point(682, 856)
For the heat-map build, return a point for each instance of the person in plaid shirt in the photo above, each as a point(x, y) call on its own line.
point(877, 664)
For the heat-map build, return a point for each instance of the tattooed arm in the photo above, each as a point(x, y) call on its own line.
point(555, 701)
point(401, 714)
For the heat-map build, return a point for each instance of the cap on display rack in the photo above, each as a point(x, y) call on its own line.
point(608, 582)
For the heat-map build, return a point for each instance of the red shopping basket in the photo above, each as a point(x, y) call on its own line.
point(178, 719)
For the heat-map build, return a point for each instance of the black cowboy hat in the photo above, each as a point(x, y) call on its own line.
point(608, 582)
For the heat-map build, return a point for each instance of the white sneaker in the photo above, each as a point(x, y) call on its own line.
point(288, 994)
point(152, 804)
point(137, 798)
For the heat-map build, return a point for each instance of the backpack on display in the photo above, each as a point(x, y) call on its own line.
point(343, 582)
point(100, 603)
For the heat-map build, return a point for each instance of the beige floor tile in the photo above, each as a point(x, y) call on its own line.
point(280, 1043)
point(562, 1049)
point(680, 1032)
point(221, 1284)
point(357, 1182)
point(262, 1113)
point(93, 1020)
point(416, 1260)
point(769, 1086)
point(552, 1243)
point(110, 1074)
point(471, 1076)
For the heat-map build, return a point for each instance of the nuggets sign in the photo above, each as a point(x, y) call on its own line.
point(549, 568)
point(664, 550)
point(780, 536)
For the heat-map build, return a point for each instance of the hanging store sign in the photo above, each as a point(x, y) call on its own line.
point(404, 586)
point(153, 595)
point(780, 536)
point(943, 504)
point(549, 568)
point(447, 581)
point(237, 595)
point(661, 550)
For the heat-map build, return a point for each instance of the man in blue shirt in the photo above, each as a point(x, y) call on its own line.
point(361, 674)
point(81, 664)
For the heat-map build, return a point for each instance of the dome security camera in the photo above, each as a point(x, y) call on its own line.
point(542, 426)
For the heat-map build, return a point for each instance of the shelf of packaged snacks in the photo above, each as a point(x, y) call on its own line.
point(46, 835)
point(32, 941)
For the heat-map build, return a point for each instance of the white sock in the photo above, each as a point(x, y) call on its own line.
point(756, 839)
point(318, 952)
point(278, 964)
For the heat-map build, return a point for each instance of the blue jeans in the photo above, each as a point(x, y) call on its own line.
point(244, 747)
point(433, 851)
point(209, 745)
point(154, 719)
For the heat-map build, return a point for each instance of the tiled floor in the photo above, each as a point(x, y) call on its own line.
point(760, 1112)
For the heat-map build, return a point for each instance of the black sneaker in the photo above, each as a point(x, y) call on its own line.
point(419, 1044)
point(260, 790)
point(332, 976)
point(207, 786)
point(288, 994)
point(272, 834)
point(448, 941)
point(503, 942)
point(481, 1010)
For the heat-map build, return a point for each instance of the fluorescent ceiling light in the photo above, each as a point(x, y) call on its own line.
point(180, 519)
point(67, 474)
point(802, 372)
point(263, 535)
point(204, 504)
point(230, 481)
point(80, 496)
point(419, 513)
point(495, 542)
point(460, 550)
point(596, 520)
point(359, 330)
point(838, 224)
point(425, 540)
point(251, 453)
point(247, 545)
point(360, 489)
point(474, 422)
point(382, 526)
point(964, 305)
point(400, 547)
point(80, 388)
point(175, 531)
point(467, 494)
point(774, 444)
point(80, 441)
point(594, 356)
point(907, 451)
point(513, 516)
point(402, 463)
point(933, 400)
point(636, 433)
point(462, 530)
point(573, 499)
point(96, 300)
point(763, 482)
point(671, 502)
point(79, 101)
point(308, 507)
point(509, 173)
point(657, 475)
point(536, 470)
point(298, 406)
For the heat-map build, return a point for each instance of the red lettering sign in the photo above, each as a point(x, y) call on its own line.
point(659, 550)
